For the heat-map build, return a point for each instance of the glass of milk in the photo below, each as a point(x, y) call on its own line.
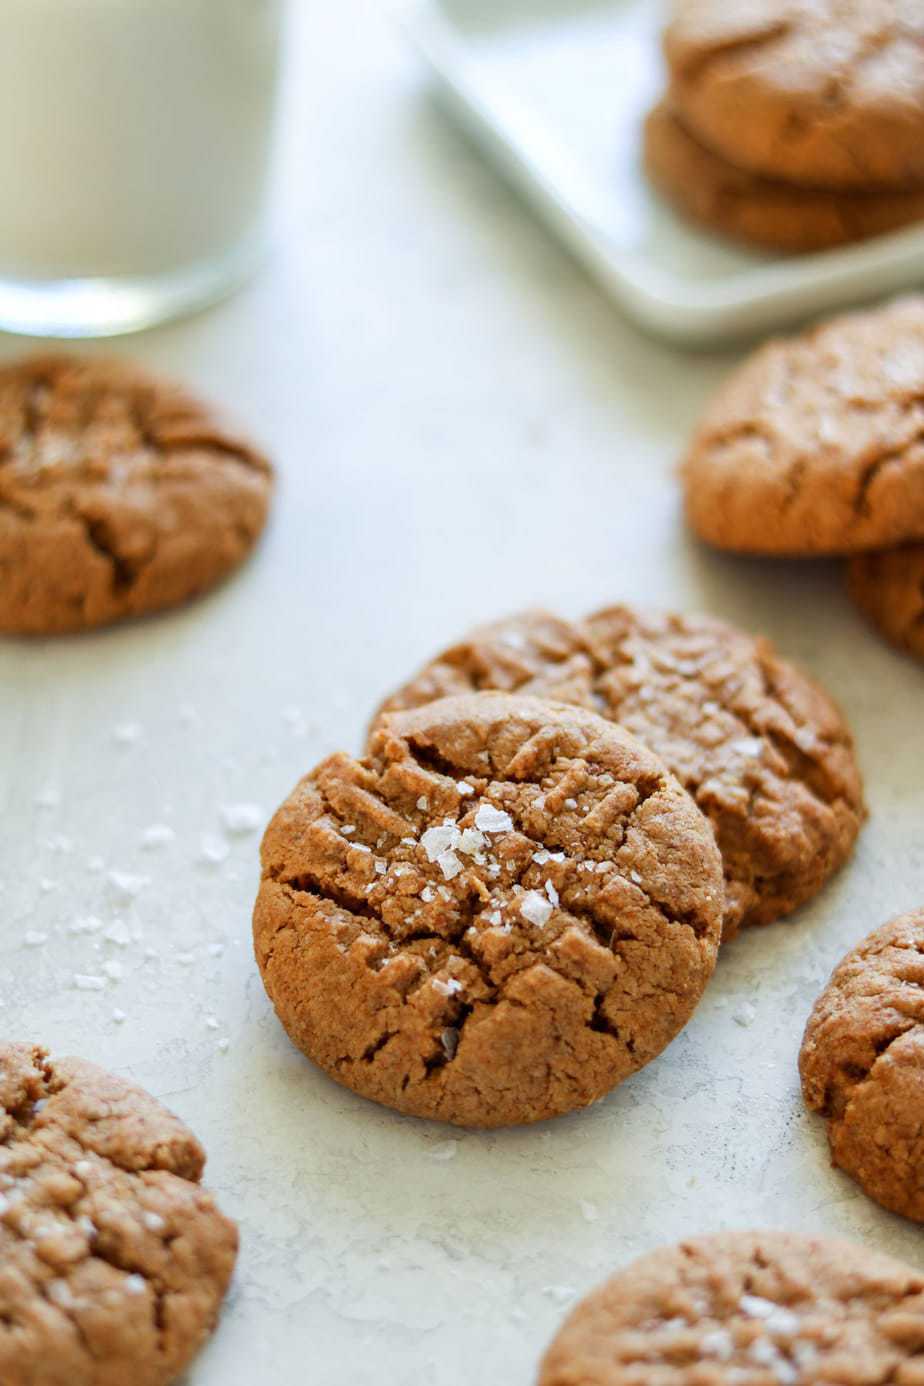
point(135, 141)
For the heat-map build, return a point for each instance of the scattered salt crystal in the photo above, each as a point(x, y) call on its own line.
point(718, 1344)
point(588, 1211)
point(83, 1168)
point(464, 788)
point(551, 892)
point(635, 877)
point(751, 746)
point(135, 1284)
point(360, 847)
point(756, 1307)
point(125, 885)
point(211, 1023)
point(444, 1150)
point(83, 982)
point(493, 820)
point(380, 866)
point(471, 841)
point(409, 841)
point(449, 987)
point(426, 894)
point(119, 1016)
point(436, 841)
point(59, 1292)
point(240, 819)
point(214, 850)
point(423, 803)
point(745, 1014)
point(126, 733)
point(449, 864)
point(157, 835)
point(562, 1294)
point(4, 1204)
point(535, 908)
point(113, 970)
point(348, 828)
point(494, 917)
point(87, 1225)
point(223, 1045)
point(47, 798)
point(33, 939)
point(571, 803)
point(153, 1222)
point(450, 1041)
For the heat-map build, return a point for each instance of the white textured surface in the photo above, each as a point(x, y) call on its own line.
point(462, 426)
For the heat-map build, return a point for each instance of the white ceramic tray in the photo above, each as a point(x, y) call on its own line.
point(554, 90)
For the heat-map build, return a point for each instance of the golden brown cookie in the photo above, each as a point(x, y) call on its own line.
point(828, 93)
point(113, 1259)
point(750, 1308)
point(501, 912)
point(763, 750)
point(862, 1064)
point(119, 495)
point(815, 445)
point(762, 211)
point(889, 588)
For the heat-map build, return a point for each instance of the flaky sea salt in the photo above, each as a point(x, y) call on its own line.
point(426, 894)
point(84, 982)
point(381, 866)
point(153, 1222)
point(157, 835)
point(535, 908)
point(745, 1015)
point(449, 864)
point(449, 987)
point(450, 1041)
point(135, 1284)
point(551, 892)
point(751, 746)
point(471, 841)
point(438, 840)
point(464, 788)
point(571, 803)
point(756, 1307)
point(241, 819)
point(423, 803)
point(489, 819)
point(718, 1344)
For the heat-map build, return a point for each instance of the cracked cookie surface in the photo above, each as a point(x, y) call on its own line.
point(753, 1308)
point(120, 495)
point(762, 749)
point(889, 588)
point(862, 1064)
point(815, 445)
point(503, 910)
point(113, 1260)
point(828, 93)
point(764, 211)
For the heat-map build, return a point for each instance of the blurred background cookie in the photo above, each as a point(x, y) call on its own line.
point(120, 495)
point(889, 588)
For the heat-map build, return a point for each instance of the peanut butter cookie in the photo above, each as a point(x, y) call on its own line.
point(119, 495)
point(829, 93)
point(762, 749)
point(862, 1064)
point(750, 1308)
point(763, 211)
point(816, 444)
point(502, 911)
point(113, 1260)
point(889, 588)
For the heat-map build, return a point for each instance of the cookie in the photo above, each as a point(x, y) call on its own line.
point(821, 92)
point(762, 749)
point(862, 1064)
point(889, 588)
point(816, 444)
point(750, 1308)
point(119, 495)
point(113, 1260)
point(761, 211)
point(502, 911)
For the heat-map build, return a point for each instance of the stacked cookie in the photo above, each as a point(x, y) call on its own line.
point(815, 446)
point(795, 127)
point(515, 898)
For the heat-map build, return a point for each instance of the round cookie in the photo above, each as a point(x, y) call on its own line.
point(773, 214)
point(113, 1260)
point(502, 911)
point(762, 749)
point(750, 1308)
point(862, 1064)
point(828, 93)
point(816, 444)
point(119, 495)
point(889, 588)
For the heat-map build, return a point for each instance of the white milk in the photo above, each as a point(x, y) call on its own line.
point(134, 134)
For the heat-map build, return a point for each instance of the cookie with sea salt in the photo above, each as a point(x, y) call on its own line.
point(114, 1260)
point(762, 749)
point(749, 1308)
point(815, 445)
point(862, 1064)
point(120, 495)
point(504, 909)
point(889, 588)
